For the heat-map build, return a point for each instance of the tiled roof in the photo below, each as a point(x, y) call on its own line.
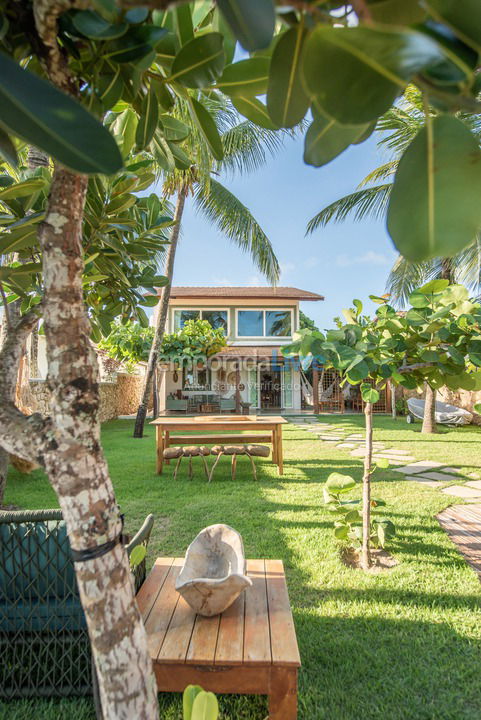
point(290, 293)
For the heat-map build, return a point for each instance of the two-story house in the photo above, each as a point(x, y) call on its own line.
point(257, 321)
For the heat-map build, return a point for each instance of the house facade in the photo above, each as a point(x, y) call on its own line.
point(250, 370)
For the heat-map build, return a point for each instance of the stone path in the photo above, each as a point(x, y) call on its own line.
point(426, 472)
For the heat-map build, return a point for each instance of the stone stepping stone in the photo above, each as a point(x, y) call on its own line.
point(337, 438)
point(424, 481)
point(453, 471)
point(393, 456)
point(346, 445)
point(419, 467)
point(474, 484)
point(474, 475)
point(440, 476)
point(463, 492)
point(398, 451)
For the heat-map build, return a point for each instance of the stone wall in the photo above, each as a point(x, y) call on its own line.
point(119, 397)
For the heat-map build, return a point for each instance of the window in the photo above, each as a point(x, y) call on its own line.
point(278, 323)
point(181, 317)
point(217, 318)
point(264, 323)
point(196, 378)
point(250, 323)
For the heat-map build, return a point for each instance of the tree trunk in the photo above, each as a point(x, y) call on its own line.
point(160, 317)
point(10, 319)
point(429, 419)
point(447, 269)
point(366, 492)
point(77, 468)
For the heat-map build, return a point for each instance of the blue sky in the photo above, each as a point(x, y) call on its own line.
point(341, 261)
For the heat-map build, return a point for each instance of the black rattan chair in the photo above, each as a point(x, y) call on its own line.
point(44, 644)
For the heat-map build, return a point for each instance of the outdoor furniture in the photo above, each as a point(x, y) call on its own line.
point(250, 649)
point(235, 450)
point(176, 404)
point(44, 644)
point(227, 405)
point(177, 453)
point(208, 428)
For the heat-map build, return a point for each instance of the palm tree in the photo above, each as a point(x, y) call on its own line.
point(371, 199)
point(245, 148)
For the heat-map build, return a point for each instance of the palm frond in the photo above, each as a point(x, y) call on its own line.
point(468, 266)
point(233, 219)
point(380, 173)
point(368, 202)
point(405, 277)
point(247, 147)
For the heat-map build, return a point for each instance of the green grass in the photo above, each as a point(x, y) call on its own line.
point(397, 646)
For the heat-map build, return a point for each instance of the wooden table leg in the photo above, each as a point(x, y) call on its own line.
point(160, 448)
point(283, 694)
point(274, 447)
point(280, 457)
point(166, 444)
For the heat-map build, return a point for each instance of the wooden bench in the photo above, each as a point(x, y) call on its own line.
point(250, 649)
point(217, 439)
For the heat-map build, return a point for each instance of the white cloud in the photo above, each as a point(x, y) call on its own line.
point(368, 258)
point(311, 262)
point(286, 268)
point(256, 281)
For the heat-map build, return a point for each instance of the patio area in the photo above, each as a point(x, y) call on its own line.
point(401, 645)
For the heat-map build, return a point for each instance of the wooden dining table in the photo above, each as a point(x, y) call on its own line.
point(220, 429)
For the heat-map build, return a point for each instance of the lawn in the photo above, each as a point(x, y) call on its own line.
point(402, 645)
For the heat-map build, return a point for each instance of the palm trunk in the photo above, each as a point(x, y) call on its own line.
point(366, 492)
point(447, 269)
point(160, 317)
point(429, 419)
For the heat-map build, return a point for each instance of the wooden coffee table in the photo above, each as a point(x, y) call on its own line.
point(250, 649)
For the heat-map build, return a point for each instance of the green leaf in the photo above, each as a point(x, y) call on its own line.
point(339, 483)
point(397, 12)
point(287, 101)
point(36, 111)
point(137, 555)
point(326, 139)
point(382, 463)
point(369, 394)
point(358, 372)
point(251, 21)
point(22, 189)
point(174, 130)
point(474, 351)
point(137, 43)
point(434, 209)
point(124, 128)
point(371, 65)
point(7, 149)
point(246, 78)
point(477, 408)
point(463, 18)
point(190, 693)
point(183, 23)
point(208, 128)
point(92, 25)
point(109, 88)
point(148, 121)
point(341, 532)
point(137, 15)
point(255, 111)
point(205, 707)
point(200, 62)
point(181, 159)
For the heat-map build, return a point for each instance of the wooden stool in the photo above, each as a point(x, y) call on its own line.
point(190, 451)
point(235, 450)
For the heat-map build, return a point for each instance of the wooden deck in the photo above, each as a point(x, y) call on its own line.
point(463, 525)
point(250, 649)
